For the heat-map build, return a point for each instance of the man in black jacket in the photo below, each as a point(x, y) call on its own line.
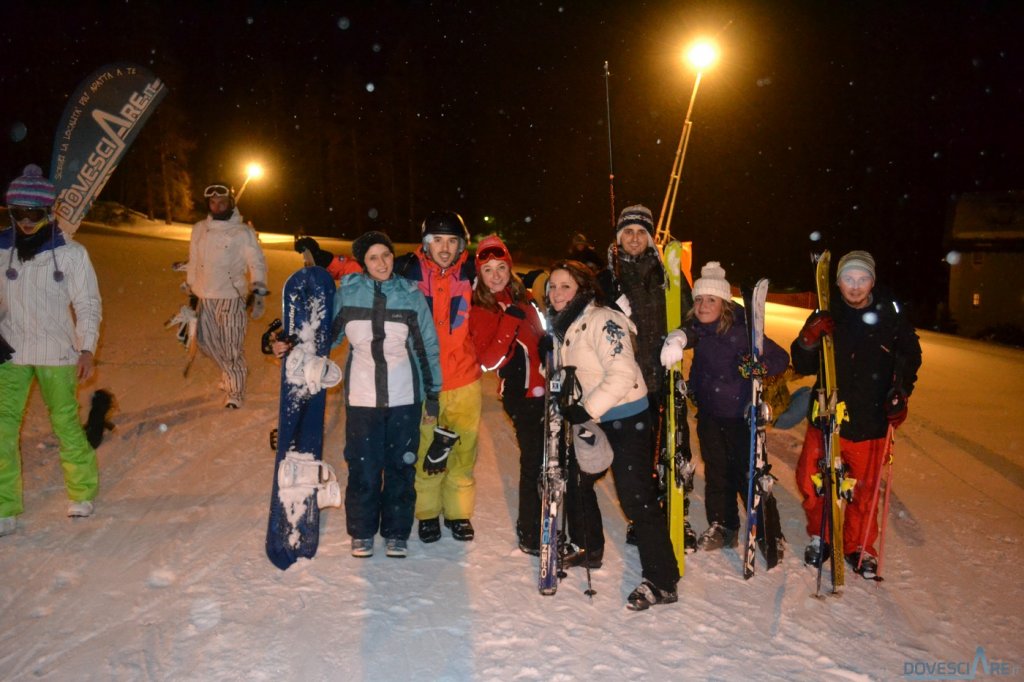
point(877, 357)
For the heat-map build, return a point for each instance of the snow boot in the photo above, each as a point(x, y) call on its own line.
point(647, 595)
point(816, 551)
point(717, 536)
point(397, 548)
point(80, 509)
point(462, 529)
point(430, 530)
point(574, 555)
point(8, 524)
point(362, 548)
point(868, 565)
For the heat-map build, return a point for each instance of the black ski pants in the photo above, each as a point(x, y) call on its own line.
point(637, 490)
point(725, 449)
point(527, 415)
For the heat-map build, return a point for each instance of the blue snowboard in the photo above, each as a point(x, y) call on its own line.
point(293, 531)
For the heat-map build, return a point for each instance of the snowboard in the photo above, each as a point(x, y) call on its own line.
point(829, 414)
point(762, 509)
point(293, 531)
point(677, 456)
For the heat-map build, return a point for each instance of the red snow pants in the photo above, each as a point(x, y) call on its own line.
point(863, 461)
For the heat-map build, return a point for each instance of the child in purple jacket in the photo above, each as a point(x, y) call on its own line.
point(716, 329)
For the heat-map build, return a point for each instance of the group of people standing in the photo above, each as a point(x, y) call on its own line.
point(423, 327)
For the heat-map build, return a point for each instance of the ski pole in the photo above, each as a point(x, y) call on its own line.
point(873, 516)
point(608, 118)
point(885, 506)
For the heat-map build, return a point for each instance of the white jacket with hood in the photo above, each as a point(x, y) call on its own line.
point(598, 344)
point(220, 255)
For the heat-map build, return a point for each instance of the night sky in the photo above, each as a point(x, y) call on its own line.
point(825, 124)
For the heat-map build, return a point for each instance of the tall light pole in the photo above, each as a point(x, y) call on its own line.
point(252, 171)
point(699, 55)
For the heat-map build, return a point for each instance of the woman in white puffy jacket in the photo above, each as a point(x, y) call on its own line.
point(596, 341)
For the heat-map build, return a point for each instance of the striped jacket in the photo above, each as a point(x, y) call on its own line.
point(393, 355)
point(35, 309)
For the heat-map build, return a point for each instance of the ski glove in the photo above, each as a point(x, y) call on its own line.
point(516, 312)
point(432, 407)
point(576, 414)
point(896, 407)
point(257, 300)
point(436, 459)
point(817, 325)
point(672, 349)
point(545, 345)
point(320, 256)
point(6, 352)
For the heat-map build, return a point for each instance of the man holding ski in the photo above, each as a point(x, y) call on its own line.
point(877, 355)
point(635, 282)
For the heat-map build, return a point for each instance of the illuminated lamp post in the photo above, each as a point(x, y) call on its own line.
point(700, 55)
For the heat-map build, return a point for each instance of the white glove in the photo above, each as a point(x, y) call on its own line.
point(259, 306)
point(672, 350)
point(320, 372)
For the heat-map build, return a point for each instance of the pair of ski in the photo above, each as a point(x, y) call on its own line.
point(762, 509)
point(562, 387)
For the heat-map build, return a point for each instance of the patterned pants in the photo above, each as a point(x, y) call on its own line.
point(57, 385)
point(221, 335)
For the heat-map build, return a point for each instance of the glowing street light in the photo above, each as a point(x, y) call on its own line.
point(253, 171)
point(700, 55)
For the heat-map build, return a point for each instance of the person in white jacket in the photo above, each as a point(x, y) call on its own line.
point(227, 272)
point(596, 341)
point(47, 275)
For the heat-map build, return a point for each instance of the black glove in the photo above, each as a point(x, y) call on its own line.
point(545, 345)
point(432, 407)
point(896, 407)
point(576, 414)
point(436, 459)
point(320, 257)
point(516, 312)
point(817, 325)
point(6, 352)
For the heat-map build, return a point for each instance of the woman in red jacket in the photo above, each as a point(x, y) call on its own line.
point(506, 329)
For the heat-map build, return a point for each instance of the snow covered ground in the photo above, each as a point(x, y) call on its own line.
point(169, 579)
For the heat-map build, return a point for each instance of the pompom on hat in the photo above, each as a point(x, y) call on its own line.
point(31, 189)
point(363, 243)
point(856, 260)
point(712, 282)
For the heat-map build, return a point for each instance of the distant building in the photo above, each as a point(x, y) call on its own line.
point(985, 235)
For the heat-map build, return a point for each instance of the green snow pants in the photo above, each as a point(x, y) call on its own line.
point(57, 385)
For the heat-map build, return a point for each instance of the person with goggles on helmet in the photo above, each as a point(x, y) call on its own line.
point(227, 273)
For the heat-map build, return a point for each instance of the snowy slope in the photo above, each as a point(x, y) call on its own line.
point(169, 580)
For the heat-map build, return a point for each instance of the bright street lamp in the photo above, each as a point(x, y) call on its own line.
point(252, 171)
point(700, 55)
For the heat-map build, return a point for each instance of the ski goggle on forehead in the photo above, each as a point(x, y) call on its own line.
point(492, 253)
point(217, 191)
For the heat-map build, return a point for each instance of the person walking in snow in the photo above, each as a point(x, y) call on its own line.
point(392, 368)
point(634, 282)
point(442, 269)
point(717, 331)
point(48, 277)
point(877, 356)
point(507, 332)
point(595, 340)
point(227, 272)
